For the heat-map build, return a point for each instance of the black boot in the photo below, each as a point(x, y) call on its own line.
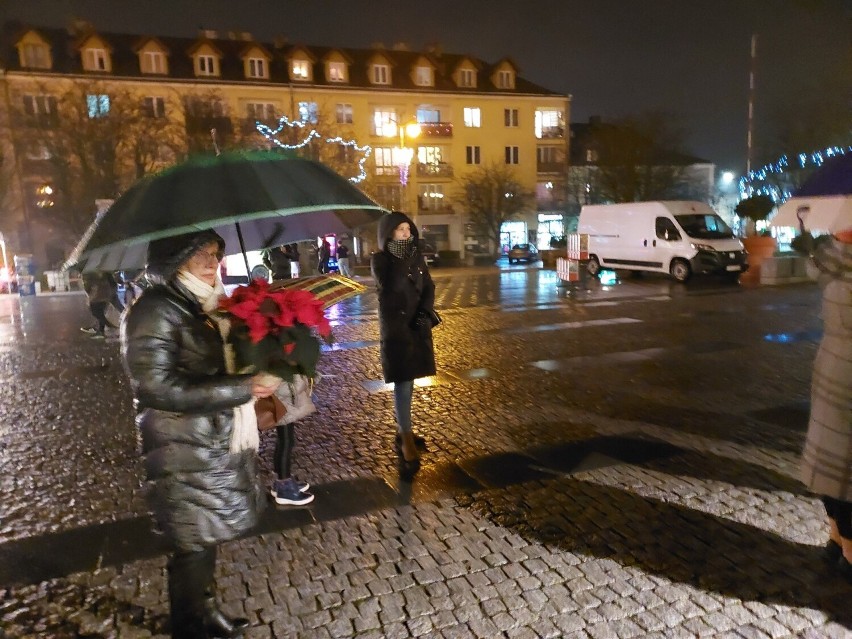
point(219, 625)
point(188, 576)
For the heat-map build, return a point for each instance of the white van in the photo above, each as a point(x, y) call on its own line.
point(679, 238)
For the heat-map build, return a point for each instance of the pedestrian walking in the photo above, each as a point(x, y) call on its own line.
point(197, 423)
point(827, 456)
point(278, 263)
point(102, 291)
point(406, 318)
point(343, 259)
point(292, 251)
point(323, 256)
point(288, 490)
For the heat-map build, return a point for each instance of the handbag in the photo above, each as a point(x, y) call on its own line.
point(269, 411)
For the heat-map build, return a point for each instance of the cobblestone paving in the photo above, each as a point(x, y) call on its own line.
point(586, 477)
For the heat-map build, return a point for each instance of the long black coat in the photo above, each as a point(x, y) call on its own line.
point(201, 494)
point(404, 287)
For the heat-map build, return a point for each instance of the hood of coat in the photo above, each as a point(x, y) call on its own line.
point(166, 255)
point(389, 222)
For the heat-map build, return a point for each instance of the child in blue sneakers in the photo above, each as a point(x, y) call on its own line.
point(296, 397)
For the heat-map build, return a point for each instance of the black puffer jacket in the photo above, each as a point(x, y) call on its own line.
point(405, 288)
point(200, 493)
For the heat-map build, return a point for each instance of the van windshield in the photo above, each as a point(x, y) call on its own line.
point(706, 226)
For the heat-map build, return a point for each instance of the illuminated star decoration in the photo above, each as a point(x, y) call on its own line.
point(754, 183)
point(272, 135)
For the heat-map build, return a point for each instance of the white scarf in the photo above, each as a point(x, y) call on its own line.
point(244, 434)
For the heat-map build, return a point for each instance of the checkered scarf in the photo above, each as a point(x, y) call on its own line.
point(402, 249)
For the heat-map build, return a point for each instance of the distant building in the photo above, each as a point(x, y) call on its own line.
point(470, 112)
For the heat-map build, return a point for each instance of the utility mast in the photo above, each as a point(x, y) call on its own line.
point(750, 135)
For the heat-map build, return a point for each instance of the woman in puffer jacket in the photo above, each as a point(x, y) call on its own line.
point(197, 424)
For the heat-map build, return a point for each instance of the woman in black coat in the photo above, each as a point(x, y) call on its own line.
point(406, 318)
point(194, 420)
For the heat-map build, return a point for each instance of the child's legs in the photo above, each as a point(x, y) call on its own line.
point(285, 440)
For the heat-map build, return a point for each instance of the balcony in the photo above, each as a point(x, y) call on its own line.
point(550, 167)
point(436, 130)
point(552, 132)
point(439, 170)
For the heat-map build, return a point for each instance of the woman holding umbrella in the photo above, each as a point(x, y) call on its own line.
point(406, 318)
point(827, 457)
point(197, 424)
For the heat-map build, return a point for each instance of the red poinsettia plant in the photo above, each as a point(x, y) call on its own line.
point(275, 331)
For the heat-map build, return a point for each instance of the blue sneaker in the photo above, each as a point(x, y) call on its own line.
point(302, 486)
point(287, 493)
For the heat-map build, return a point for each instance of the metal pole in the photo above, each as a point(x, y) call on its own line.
point(243, 249)
point(751, 74)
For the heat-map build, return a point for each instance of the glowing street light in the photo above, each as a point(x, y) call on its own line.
point(411, 131)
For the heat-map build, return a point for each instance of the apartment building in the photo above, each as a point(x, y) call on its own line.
point(470, 113)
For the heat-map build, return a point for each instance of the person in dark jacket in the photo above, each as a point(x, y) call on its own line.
point(278, 263)
point(406, 318)
point(102, 291)
point(323, 256)
point(196, 422)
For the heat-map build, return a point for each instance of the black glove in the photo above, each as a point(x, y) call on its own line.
point(426, 318)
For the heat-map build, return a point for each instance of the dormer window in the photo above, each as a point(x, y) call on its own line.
point(95, 60)
point(505, 80)
point(301, 69)
point(336, 72)
point(381, 74)
point(467, 78)
point(423, 76)
point(205, 65)
point(153, 62)
point(257, 68)
point(35, 56)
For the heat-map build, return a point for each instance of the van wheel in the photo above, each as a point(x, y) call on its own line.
point(680, 270)
point(594, 266)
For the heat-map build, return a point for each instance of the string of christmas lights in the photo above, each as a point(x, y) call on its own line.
point(272, 136)
point(755, 182)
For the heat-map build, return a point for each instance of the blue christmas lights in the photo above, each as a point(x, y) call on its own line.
point(754, 183)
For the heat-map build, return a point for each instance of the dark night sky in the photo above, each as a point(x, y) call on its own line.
point(615, 57)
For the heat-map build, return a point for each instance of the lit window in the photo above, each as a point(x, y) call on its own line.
point(301, 69)
point(432, 197)
point(466, 78)
point(344, 114)
point(549, 123)
point(381, 74)
point(336, 72)
point(423, 76)
point(429, 155)
point(35, 56)
point(257, 68)
point(97, 105)
point(505, 80)
point(309, 112)
point(511, 155)
point(95, 60)
point(472, 117)
point(388, 160)
point(384, 123)
point(205, 65)
point(472, 155)
point(428, 116)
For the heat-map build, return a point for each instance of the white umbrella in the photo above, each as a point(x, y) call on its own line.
point(828, 214)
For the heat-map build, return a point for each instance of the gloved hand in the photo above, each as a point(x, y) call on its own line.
point(426, 318)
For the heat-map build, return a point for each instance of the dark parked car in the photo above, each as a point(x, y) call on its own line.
point(523, 253)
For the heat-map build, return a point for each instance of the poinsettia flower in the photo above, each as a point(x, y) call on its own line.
point(289, 348)
point(258, 327)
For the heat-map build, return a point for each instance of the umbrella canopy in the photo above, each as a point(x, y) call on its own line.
point(269, 198)
point(824, 201)
point(329, 288)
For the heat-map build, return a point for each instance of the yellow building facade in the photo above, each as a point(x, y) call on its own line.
point(470, 114)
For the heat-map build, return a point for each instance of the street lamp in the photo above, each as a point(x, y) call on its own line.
point(410, 130)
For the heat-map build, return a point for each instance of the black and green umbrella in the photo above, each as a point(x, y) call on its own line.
point(254, 199)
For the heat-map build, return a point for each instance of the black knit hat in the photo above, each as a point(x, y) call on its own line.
point(167, 255)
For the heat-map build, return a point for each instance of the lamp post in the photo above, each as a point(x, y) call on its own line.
point(410, 130)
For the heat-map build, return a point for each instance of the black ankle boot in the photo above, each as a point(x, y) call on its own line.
point(219, 625)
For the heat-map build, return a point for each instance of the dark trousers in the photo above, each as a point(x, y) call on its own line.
point(841, 513)
point(285, 440)
point(190, 584)
point(98, 309)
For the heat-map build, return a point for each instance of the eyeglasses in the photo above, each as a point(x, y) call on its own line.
point(204, 257)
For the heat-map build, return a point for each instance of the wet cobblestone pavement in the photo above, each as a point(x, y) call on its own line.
point(606, 463)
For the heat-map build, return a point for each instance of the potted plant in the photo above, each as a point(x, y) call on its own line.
point(758, 245)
